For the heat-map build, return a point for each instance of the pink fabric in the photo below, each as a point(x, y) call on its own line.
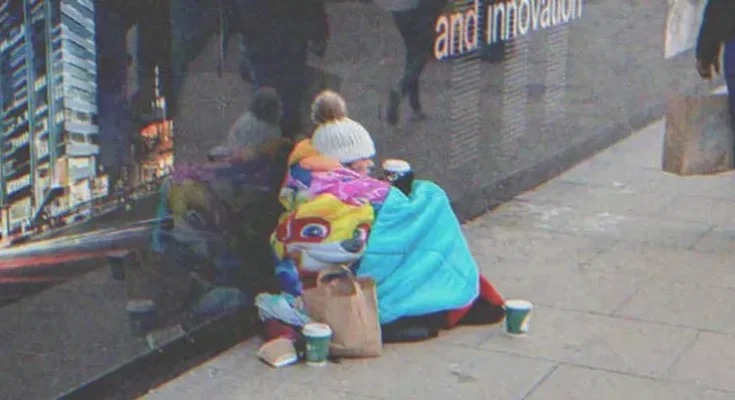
point(349, 186)
point(279, 329)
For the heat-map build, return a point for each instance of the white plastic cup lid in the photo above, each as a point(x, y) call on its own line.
point(316, 329)
point(518, 304)
point(395, 165)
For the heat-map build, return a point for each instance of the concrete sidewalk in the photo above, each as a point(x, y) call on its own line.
point(632, 275)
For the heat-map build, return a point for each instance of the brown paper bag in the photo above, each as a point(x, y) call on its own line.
point(349, 306)
point(699, 137)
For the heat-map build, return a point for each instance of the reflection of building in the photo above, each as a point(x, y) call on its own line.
point(114, 114)
point(134, 42)
point(48, 91)
point(158, 139)
point(157, 149)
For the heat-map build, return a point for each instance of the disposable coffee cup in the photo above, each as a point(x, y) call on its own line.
point(117, 270)
point(399, 174)
point(142, 315)
point(317, 337)
point(117, 263)
point(517, 316)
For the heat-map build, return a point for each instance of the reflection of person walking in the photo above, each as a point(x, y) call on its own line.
point(277, 36)
point(415, 21)
point(718, 27)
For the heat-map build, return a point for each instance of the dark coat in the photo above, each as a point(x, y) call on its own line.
point(274, 21)
point(718, 26)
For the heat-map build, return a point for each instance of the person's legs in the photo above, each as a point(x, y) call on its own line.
point(423, 47)
point(291, 86)
point(486, 309)
point(412, 26)
point(257, 61)
point(413, 329)
point(417, 32)
point(729, 70)
point(405, 22)
point(281, 64)
point(247, 70)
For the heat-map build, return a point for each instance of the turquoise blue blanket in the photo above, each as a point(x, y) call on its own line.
point(418, 256)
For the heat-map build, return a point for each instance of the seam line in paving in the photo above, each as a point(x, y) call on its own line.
point(540, 381)
point(635, 319)
point(707, 197)
point(702, 236)
point(667, 372)
point(662, 211)
point(585, 265)
point(687, 382)
point(617, 309)
point(659, 379)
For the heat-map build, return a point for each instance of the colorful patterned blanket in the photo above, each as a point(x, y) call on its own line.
point(224, 213)
point(413, 247)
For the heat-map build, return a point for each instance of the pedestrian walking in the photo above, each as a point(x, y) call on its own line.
point(277, 37)
point(415, 20)
point(718, 29)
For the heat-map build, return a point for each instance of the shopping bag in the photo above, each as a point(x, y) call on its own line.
point(349, 306)
point(699, 136)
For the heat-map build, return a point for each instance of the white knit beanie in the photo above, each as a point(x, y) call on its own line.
point(337, 136)
point(344, 140)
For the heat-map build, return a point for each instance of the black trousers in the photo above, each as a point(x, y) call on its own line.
point(281, 64)
point(417, 32)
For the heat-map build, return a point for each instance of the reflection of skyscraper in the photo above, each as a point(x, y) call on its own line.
point(135, 40)
point(48, 91)
point(115, 114)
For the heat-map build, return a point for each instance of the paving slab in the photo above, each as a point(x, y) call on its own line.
point(491, 240)
point(662, 231)
point(576, 221)
point(614, 199)
point(597, 171)
point(697, 306)
point(574, 290)
point(430, 370)
point(228, 388)
point(588, 339)
point(667, 264)
point(556, 218)
point(715, 211)
point(717, 240)
point(657, 181)
point(576, 383)
point(408, 371)
point(710, 362)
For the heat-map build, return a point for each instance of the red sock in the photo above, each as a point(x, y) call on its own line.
point(487, 292)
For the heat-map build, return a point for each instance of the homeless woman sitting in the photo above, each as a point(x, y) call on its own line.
point(413, 247)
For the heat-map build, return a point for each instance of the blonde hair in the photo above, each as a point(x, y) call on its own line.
point(328, 106)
